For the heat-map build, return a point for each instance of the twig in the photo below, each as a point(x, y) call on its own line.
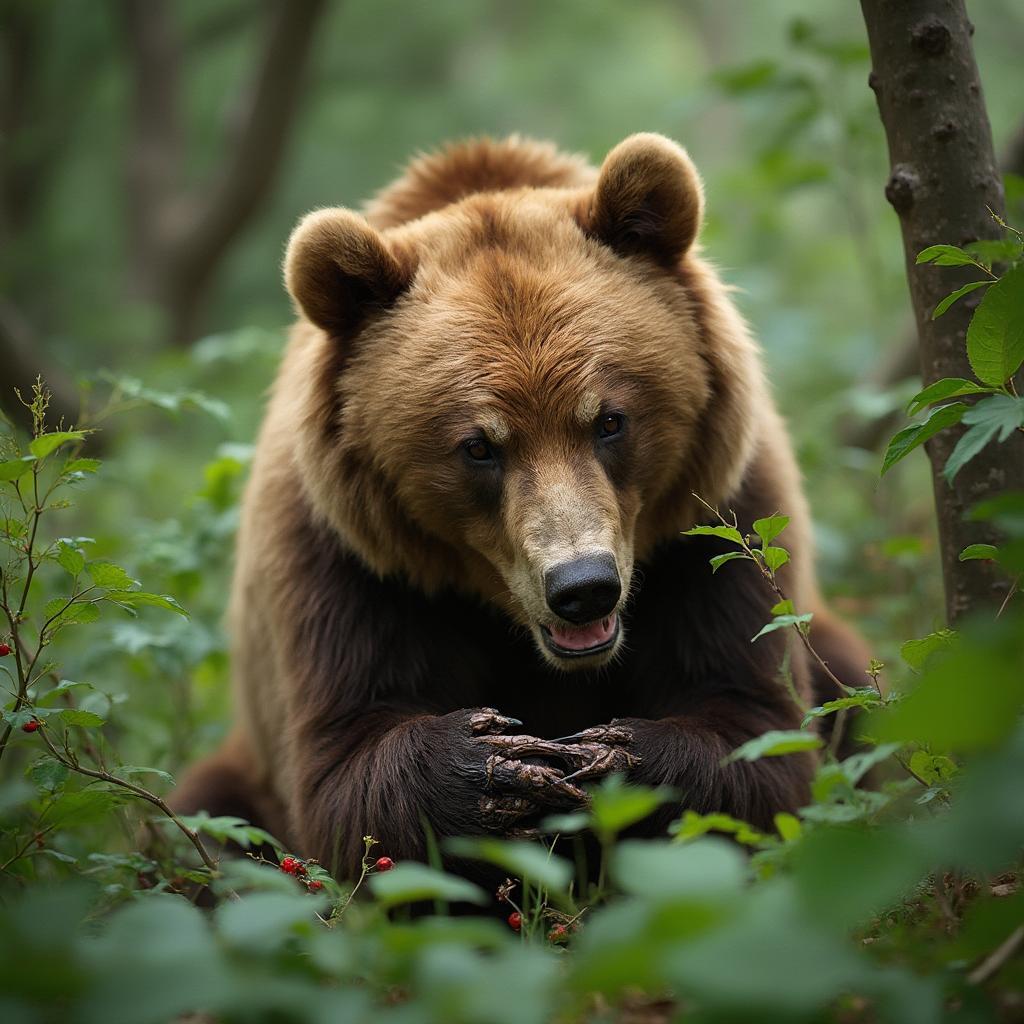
point(1014, 587)
point(72, 763)
point(995, 960)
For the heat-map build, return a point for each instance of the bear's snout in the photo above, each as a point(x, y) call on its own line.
point(585, 589)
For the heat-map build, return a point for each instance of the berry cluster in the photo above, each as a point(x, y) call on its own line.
point(298, 868)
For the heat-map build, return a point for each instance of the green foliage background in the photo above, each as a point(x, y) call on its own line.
point(772, 102)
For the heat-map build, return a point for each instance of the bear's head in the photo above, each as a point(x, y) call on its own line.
point(518, 394)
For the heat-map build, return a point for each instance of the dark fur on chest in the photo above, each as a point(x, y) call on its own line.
point(688, 637)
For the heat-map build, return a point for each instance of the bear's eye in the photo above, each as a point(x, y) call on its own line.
point(479, 450)
point(609, 424)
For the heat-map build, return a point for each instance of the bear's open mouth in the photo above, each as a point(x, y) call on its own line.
point(580, 641)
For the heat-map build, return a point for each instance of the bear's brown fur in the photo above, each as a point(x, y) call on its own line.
point(510, 363)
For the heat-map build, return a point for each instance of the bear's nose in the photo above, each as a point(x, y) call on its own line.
point(585, 589)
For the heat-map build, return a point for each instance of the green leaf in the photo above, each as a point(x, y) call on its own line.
point(946, 256)
point(917, 433)
point(48, 774)
point(775, 558)
point(725, 532)
point(856, 766)
point(1006, 511)
point(227, 828)
point(935, 769)
point(411, 883)
point(989, 552)
point(866, 697)
point(13, 469)
point(693, 825)
point(134, 769)
point(134, 597)
point(616, 805)
point(64, 687)
point(916, 652)
point(565, 824)
point(74, 614)
point(172, 401)
point(745, 78)
point(948, 387)
point(775, 743)
point(782, 621)
point(16, 719)
point(788, 826)
point(769, 528)
point(969, 700)
point(520, 858)
point(70, 559)
point(81, 719)
point(995, 335)
point(719, 560)
point(995, 250)
point(999, 414)
point(45, 444)
point(784, 607)
point(958, 294)
point(110, 576)
point(12, 528)
point(264, 921)
point(81, 466)
point(654, 869)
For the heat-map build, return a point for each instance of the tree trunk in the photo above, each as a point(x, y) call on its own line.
point(902, 362)
point(943, 175)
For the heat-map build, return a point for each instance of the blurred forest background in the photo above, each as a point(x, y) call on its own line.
point(156, 155)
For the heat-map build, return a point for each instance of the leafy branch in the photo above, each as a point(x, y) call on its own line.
point(768, 559)
point(995, 350)
point(26, 475)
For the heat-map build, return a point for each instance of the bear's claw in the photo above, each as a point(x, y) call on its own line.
point(612, 734)
point(486, 721)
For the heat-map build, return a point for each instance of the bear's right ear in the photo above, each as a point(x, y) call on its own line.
point(338, 269)
point(648, 199)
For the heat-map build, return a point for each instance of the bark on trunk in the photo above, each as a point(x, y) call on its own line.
point(903, 362)
point(943, 175)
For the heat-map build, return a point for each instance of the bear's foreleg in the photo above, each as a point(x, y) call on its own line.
point(394, 773)
point(687, 752)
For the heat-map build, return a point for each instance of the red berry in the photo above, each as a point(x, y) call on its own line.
point(384, 864)
point(291, 865)
point(314, 885)
point(515, 920)
point(4, 650)
point(30, 726)
point(558, 934)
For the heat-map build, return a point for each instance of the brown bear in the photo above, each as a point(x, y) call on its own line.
point(510, 377)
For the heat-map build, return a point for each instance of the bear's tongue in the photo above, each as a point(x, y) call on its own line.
point(579, 638)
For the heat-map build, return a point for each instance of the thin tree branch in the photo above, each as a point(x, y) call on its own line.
point(252, 162)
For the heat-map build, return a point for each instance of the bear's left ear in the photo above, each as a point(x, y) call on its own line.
point(648, 199)
point(339, 269)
